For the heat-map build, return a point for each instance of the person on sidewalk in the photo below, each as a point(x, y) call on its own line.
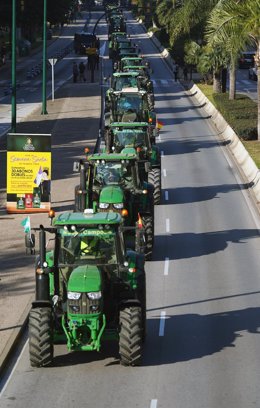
point(75, 72)
point(185, 73)
point(175, 71)
point(82, 68)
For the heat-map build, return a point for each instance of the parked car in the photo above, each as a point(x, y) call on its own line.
point(252, 73)
point(246, 60)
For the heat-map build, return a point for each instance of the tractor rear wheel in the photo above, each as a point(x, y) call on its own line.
point(130, 336)
point(41, 337)
point(154, 177)
point(149, 235)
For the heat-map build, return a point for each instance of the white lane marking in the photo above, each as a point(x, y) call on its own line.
point(153, 403)
point(164, 173)
point(167, 225)
point(13, 370)
point(162, 324)
point(166, 195)
point(166, 266)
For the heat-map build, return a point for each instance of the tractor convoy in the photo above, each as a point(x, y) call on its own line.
point(91, 286)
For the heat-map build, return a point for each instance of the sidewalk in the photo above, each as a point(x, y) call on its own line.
point(73, 121)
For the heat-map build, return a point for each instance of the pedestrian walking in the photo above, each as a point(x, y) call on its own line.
point(75, 72)
point(97, 61)
point(185, 73)
point(175, 71)
point(82, 68)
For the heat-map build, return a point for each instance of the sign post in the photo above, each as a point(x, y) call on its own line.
point(52, 61)
point(28, 173)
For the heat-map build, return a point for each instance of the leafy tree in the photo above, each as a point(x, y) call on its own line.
point(241, 17)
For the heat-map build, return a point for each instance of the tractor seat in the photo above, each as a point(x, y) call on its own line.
point(129, 117)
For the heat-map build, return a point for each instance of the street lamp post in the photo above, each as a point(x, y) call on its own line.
point(13, 66)
point(44, 59)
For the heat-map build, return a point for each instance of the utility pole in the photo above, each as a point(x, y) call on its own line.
point(44, 59)
point(13, 66)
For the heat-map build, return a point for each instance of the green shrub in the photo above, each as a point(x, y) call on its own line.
point(240, 113)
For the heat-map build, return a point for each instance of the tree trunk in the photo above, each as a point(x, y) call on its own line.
point(216, 81)
point(232, 81)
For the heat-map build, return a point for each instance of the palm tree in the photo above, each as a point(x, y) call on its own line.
point(243, 18)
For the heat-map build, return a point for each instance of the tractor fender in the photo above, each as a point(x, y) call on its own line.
point(41, 303)
point(129, 302)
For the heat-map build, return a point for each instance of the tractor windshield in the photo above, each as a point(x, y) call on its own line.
point(124, 82)
point(87, 246)
point(129, 138)
point(112, 173)
point(129, 102)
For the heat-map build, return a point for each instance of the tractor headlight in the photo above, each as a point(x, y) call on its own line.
point(94, 295)
point(74, 295)
point(118, 206)
point(103, 205)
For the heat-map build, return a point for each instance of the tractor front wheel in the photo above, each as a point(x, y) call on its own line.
point(41, 337)
point(130, 336)
point(154, 177)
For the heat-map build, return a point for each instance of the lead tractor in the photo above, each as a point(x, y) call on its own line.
point(89, 288)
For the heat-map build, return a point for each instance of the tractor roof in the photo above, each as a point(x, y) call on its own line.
point(134, 58)
point(107, 157)
point(69, 218)
point(129, 125)
point(126, 74)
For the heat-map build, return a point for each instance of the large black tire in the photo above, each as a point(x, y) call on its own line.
point(130, 336)
point(149, 235)
point(41, 337)
point(154, 177)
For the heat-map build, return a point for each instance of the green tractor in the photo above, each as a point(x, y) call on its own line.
point(124, 80)
point(128, 64)
point(89, 288)
point(113, 40)
point(120, 136)
point(117, 183)
point(131, 106)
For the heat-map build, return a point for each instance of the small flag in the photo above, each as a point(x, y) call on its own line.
point(139, 221)
point(159, 124)
point(26, 224)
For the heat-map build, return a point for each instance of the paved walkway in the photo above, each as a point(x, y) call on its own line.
point(73, 121)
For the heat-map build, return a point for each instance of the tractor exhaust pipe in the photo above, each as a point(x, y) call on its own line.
point(82, 184)
point(42, 278)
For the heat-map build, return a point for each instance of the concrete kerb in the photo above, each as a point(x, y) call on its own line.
point(226, 133)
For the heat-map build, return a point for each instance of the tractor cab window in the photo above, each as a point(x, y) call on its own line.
point(129, 138)
point(132, 102)
point(79, 248)
point(112, 173)
point(124, 82)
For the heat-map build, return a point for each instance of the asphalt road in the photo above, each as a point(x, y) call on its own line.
point(203, 286)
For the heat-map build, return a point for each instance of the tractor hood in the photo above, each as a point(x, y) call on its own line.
point(85, 278)
point(111, 195)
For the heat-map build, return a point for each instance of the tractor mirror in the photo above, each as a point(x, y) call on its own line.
point(76, 167)
point(30, 243)
point(147, 167)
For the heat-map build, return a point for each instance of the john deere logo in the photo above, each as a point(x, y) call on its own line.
point(28, 145)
